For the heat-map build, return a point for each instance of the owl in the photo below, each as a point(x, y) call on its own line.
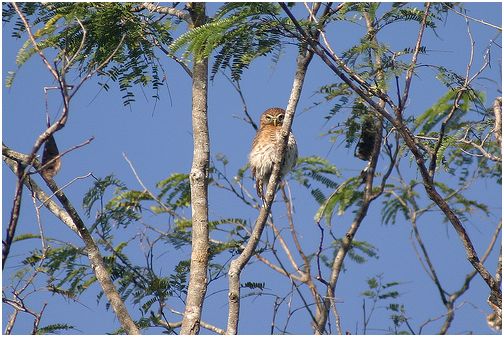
point(262, 155)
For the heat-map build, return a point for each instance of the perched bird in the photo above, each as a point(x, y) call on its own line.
point(262, 155)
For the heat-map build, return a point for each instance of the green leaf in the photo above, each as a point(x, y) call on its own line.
point(340, 200)
point(54, 328)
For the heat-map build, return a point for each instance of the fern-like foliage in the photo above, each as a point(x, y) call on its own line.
point(316, 174)
point(345, 195)
point(437, 112)
point(114, 32)
point(56, 328)
point(239, 32)
point(455, 153)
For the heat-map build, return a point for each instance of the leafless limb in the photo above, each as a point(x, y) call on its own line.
point(19, 306)
point(173, 57)
point(277, 268)
point(290, 219)
point(237, 87)
point(174, 325)
point(167, 10)
point(38, 317)
point(146, 190)
point(78, 51)
point(231, 188)
point(285, 248)
point(481, 149)
point(411, 68)
point(14, 217)
point(336, 314)
point(467, 17)
point(276, 306)
point(11, 322)
point(448, 299)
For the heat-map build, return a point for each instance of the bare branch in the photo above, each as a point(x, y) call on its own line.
point(11, 322)
point(11, 229)
point(34, 42)
point(236, 86)
point(78, 51)
point(411, 68)
point(168, 10)
point(160, 203)
point(467, 17)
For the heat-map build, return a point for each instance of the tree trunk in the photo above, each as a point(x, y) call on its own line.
point(199, 187)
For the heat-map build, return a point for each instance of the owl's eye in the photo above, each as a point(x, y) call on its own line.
point(268, 118)
point(280, 118)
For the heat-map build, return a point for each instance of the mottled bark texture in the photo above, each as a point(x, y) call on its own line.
point(199, 187)
point(70, 217)
point(497, 108)
point(241, 261)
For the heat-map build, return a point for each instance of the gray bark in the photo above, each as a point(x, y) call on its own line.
point(199, 187)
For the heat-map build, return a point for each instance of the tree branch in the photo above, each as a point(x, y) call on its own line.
point(239, 263)
point(70, 217)
point(167, 10)
point(409, 139)
point(411, 68)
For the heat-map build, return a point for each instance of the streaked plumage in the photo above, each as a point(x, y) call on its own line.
point(262, 155)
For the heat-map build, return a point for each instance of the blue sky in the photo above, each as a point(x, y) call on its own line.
point(156, 137)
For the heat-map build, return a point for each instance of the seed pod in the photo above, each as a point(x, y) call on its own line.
point(367, 139)
point(51, 163)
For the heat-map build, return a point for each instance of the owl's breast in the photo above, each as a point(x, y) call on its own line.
point(261, 158)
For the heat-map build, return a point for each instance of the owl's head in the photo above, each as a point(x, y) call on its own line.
point(273, 116)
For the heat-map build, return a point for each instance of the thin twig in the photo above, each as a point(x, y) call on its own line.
point(237, 87)
point(467, 17)
point(34, 42)
point(91, 72)
point(41, 168)
point(146, 190)
point(411, 68)
point(78, 51)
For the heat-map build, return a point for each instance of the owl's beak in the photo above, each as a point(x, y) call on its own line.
point(275, 122)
